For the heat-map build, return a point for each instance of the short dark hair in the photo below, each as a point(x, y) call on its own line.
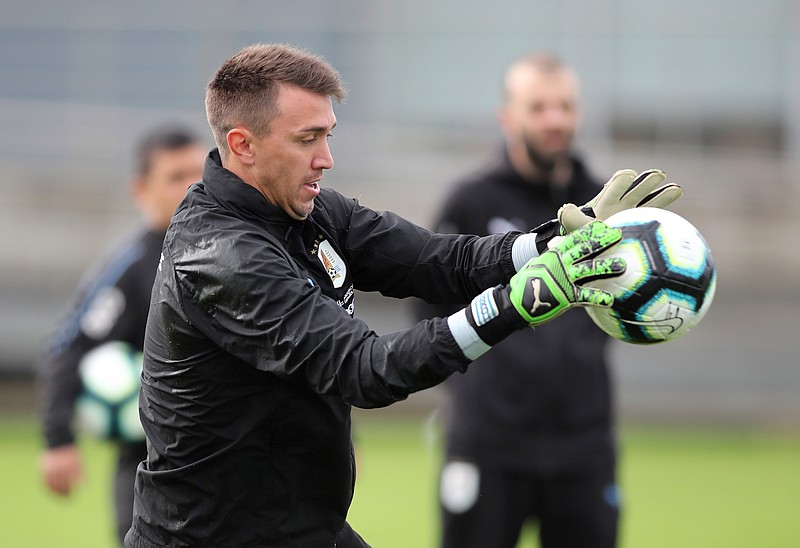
point(165, 137)
point(244, 90)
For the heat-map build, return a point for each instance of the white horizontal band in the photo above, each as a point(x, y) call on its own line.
point(523, 250)
point(471, 345)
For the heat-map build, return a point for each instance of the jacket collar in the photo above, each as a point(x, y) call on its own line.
point(230, 191)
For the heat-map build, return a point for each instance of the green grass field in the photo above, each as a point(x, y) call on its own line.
point(682, 488)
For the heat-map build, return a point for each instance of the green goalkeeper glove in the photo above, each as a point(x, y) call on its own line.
point(543, 289)
point(624, 190)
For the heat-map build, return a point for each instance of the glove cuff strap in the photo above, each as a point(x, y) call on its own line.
point(486, 321)
point(546, 232)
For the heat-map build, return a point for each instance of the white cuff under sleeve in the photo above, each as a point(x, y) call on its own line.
point(471, 345)
point(523, 250)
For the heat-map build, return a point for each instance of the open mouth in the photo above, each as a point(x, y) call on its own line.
point(313, 187)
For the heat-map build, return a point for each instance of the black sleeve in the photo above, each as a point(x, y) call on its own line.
point(400, 259)
point(458, 215)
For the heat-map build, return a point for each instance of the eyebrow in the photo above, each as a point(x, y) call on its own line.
point(316, 129)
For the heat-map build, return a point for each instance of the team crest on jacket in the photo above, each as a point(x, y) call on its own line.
point(334, 265)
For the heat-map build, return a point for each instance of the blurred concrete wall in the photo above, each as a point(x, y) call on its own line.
point(708, 90)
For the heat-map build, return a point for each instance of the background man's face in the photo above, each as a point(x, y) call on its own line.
point(171, 173)
point(541, 113)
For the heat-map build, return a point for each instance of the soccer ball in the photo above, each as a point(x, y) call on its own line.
point(669, 281)
point(108, 406)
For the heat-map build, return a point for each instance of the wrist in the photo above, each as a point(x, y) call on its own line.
point(542, 235)
point(487, 320)
point(524, 248)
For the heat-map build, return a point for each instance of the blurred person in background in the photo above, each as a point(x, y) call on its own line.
point(111, 304)
point(528, 435)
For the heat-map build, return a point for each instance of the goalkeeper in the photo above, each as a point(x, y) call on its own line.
point(253, 358)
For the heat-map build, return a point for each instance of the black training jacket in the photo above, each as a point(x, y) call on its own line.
point(538, 401)
point(253, 359)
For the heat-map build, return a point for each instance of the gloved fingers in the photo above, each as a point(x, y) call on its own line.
point(662, 196)
point(615, 188)
point(591, 296)
point(646, 183)
point(587, 241)
point(606, 267)
point(572, 218)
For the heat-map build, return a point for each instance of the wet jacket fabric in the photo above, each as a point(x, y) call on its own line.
point(539, 401)
point(253, 359)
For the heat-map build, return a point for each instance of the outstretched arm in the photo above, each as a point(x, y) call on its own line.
point(543, 289)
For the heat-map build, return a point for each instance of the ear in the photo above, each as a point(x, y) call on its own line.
point(240, 144)
point(137, 188)
point(504, 120)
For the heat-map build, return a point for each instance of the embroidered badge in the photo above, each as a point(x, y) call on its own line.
point(334, 265)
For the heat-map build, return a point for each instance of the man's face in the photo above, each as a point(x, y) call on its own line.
point(171, 173)
point(541, 114)
point(291, 158)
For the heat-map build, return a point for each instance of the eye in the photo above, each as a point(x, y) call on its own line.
point(314, 138)
point(536, 108)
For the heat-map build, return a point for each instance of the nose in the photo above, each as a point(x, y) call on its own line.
point(560, 115)
point(323, 159)
point(554, 117)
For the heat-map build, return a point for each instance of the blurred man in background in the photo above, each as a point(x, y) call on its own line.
point(529, 433)
point(111, 305)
